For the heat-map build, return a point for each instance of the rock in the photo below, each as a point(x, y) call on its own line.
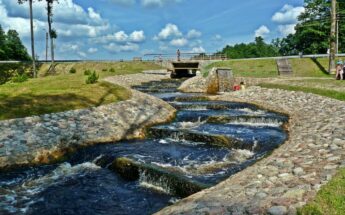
point(298, 171)
point(277, 210)
point(294, 193)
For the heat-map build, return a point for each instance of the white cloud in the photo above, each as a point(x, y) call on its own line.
point(92, 50)
point(199, 49)
point(157, 3)
point(169, 31)
point(116, 48)
point(137, 36)
point(192, 34)
point(82, 54)
point(217, 37)
point(179, 42)
point(121, 37)
point(285, 30)
point(263, 31)
point(70, 19)
point(288, 14)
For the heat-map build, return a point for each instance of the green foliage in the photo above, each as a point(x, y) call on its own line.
point(313, 30)
point(19, 78)
point(252, 50)
point(111, 70)
point(72, 70)
point(87, 72)
point(92, 78)
point(104, 70)
point(11, 47)
point(9, 70)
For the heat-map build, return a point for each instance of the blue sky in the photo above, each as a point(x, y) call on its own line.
point(122, 29)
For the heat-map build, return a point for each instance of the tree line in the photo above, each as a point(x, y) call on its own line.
point(312, 35)
point(11, 47)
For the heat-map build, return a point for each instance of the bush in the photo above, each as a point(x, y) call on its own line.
point(72, 70)
point(19, 78)
point(92, 78)
point(111, 70)
point(87, 72)
point(104, 70)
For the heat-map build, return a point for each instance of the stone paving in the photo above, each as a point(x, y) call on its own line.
point(47, 138)
point(293, 173)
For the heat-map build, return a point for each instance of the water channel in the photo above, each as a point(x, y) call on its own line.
point(206, 143)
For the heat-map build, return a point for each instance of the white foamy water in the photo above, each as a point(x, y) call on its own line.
point(257, 122)
point(190, 125)
point(152, 183)
point(253, 112)
point(241, 155)
point(20, 195)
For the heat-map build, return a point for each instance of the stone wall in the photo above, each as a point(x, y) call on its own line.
point(47, 138)
point(293, 173)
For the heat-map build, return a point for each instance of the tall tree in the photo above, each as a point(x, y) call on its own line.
point(52, 32)
point(331, 69)
point(32, 36)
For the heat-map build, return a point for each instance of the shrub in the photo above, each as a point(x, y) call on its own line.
point(87, 72)
point(72, 70)
point(111, 70)
point(92, 78)
point(104, 70)
point(19, 78)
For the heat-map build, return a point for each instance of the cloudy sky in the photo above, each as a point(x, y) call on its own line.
point(122, 29)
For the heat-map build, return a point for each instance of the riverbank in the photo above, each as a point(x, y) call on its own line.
point(47, 138)
point(291, 176)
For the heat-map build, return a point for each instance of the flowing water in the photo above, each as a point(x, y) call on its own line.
point(206, 143)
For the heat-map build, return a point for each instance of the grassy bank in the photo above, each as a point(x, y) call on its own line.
point(65, 91)
point(330, 199)
point(302, 67)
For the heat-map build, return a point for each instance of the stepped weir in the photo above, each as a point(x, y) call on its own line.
point(206, 143)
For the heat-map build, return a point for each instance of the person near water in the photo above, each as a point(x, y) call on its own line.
point(178, 54)
point(340, 71)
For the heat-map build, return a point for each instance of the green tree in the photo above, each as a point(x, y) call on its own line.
point(313, 30)
point(15, 49)
point(3, 46)
point(251, 50)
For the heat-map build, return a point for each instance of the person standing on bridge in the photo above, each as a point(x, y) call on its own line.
point(178, 53)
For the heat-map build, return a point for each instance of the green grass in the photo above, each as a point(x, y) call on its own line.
point(330, 199)
point(302, 67)
point(323, 92)
point(249, 68)
point(64, 91)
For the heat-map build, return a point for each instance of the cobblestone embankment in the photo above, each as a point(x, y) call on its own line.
point(293, 173)
point(47, 138)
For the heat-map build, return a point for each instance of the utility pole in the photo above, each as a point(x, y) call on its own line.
point(331, 69)
point(32, 41)
point(46, 46)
